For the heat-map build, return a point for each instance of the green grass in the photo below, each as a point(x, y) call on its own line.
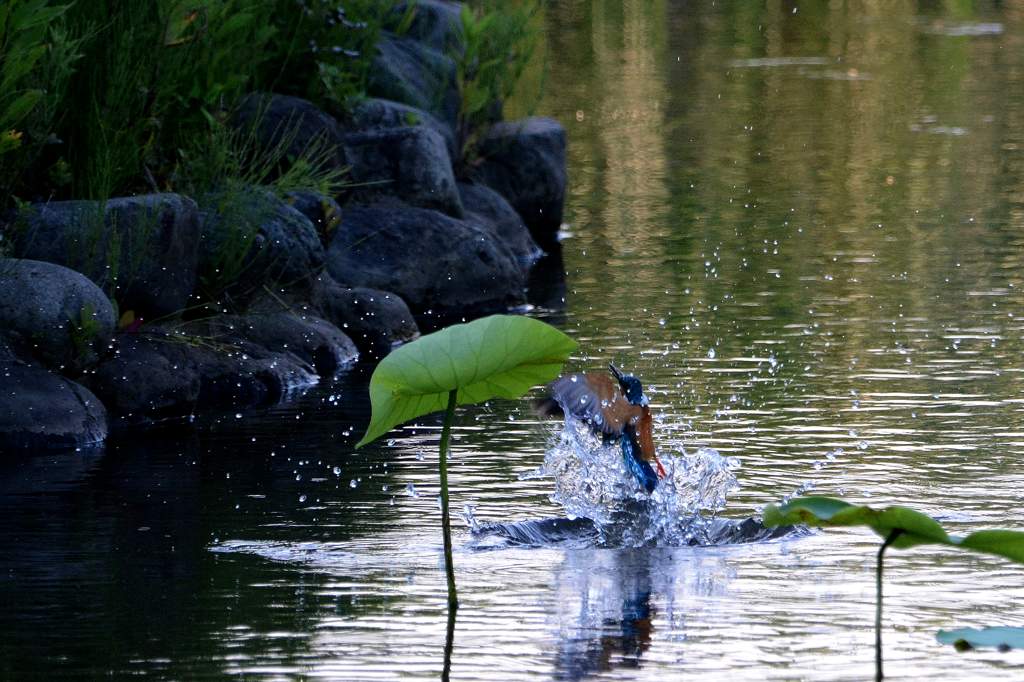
point(108, 97)
point(499, 42)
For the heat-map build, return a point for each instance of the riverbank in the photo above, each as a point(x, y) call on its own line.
point(136, 310)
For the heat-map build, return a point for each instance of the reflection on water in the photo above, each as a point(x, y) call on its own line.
point(799, 223)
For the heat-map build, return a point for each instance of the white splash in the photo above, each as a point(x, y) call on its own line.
point(591, 481)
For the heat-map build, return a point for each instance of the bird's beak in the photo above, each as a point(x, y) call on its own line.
point(615, 372)
point(643, 400)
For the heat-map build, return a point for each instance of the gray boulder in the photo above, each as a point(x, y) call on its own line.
point(162, 374)
point(324, 212)
point(42, 411)
point(487, 209)
point(410, 163)
point(375, 320)
point(524, 161)
point(313, 340)
point(408, 71)
point(440, 266)
point(141, 250)
point(53, 314)
point(251, 238)
point(290, 127)
point(377, 114)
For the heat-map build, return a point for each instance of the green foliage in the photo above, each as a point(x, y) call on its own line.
point(498, 43)
point(915, 528)
point(322, 51)
point(499, 356)
point(106, 97)
point(227, 157)
point(37, 57)
point(1000, 637)
point(152, 75)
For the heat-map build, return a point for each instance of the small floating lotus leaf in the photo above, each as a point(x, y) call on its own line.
point(917, 528)
point(501, 356)
point(827, 511)
point(1001, 637)
point(1004, 543)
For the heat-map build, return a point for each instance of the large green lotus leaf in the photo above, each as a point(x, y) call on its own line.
point(1000, 637)
point(501, 356)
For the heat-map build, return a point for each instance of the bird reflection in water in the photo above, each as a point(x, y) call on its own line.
point(609, 605)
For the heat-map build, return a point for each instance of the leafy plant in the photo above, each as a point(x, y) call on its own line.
point(501, 356)
point(37, 57)
point(498, 44)
point(899, 527)
point(322, 51)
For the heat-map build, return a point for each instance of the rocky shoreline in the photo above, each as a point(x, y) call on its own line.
point(103, 322)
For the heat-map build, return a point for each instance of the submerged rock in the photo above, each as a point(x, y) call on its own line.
point(40, 410)
point(379, 114)
point(251, 238)
point(408, 71)
point(524, 161)
point(161, 374)
point(289, 127)
point(489, 210)
point(141, 250)
point(53, 314)
point(315, 341)
point(440, 266)
point(375, 320)
point(409, 163)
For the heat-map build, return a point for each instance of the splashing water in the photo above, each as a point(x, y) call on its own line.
point(591, 481)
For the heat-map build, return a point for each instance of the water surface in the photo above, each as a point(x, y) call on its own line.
point(801, 224)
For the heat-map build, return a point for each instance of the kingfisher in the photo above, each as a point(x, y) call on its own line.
point(615, 407)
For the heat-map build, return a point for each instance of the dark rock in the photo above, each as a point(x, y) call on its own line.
point(410, 163)
point(53, 314)
point(289, 127)
point(524, 161)
point(251, 238)
point(40, 410)
point(406, 70)
point(488, 209)
point(148, 379)
point(436, 23)
point(377, 114)
point(438, 265)
point(323, 212)
point(161, 374)
point(315, 341)
point(141, 250)
point(375, 320)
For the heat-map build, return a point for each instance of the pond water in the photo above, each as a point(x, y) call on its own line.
point(801, 224)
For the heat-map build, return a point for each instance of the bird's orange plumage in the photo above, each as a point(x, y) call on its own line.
point(597, 399)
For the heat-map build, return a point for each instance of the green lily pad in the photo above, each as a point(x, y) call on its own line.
point(1000, 637)
point(915, 528)
point(501, 356)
